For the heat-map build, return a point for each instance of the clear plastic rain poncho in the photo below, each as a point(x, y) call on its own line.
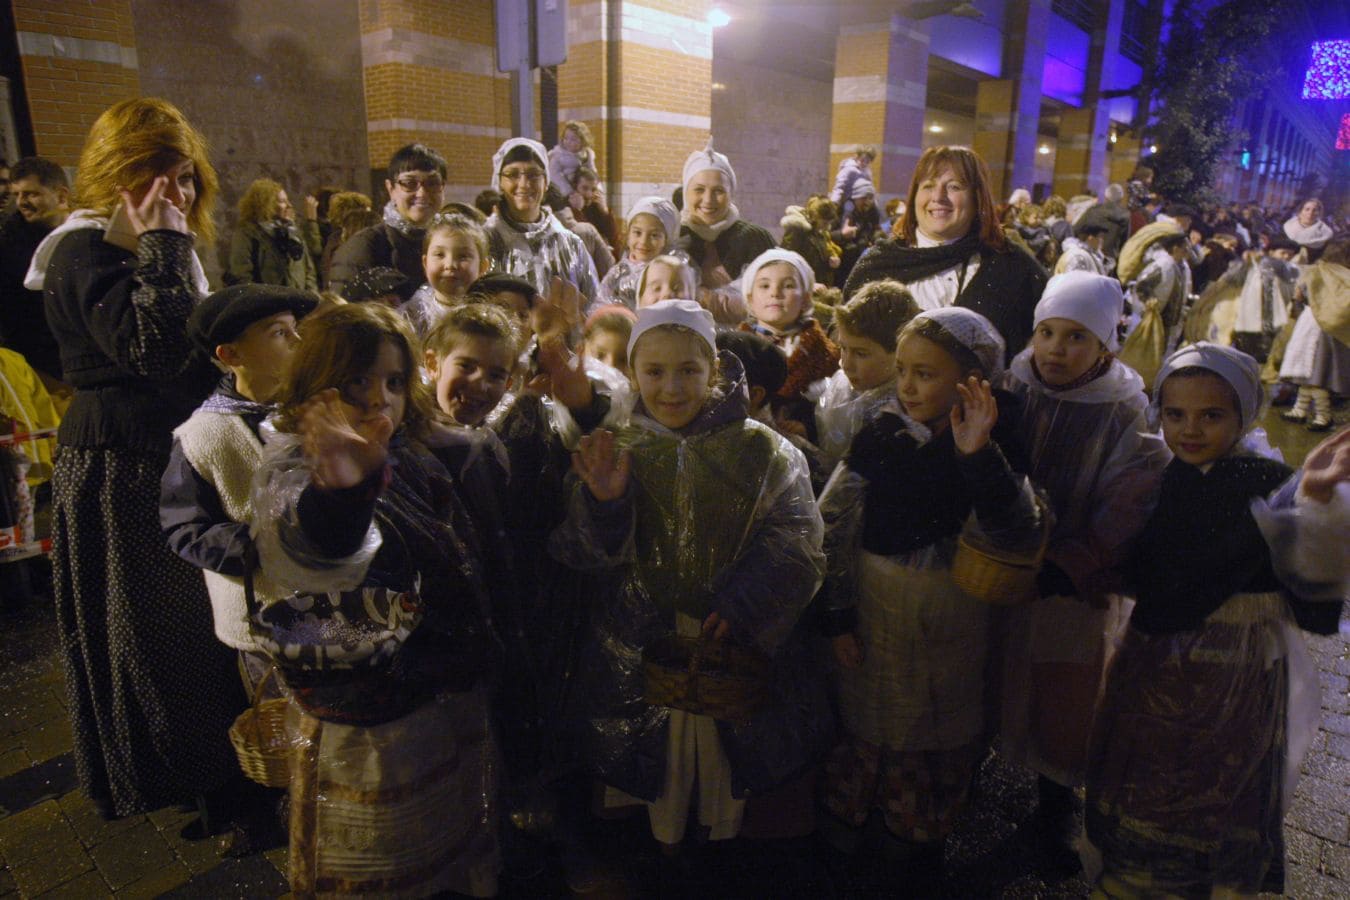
point(1093, 453)
point(539, 251)
point(842, 410)
point(393, 763)
point(1212, 699)
point(719, 517)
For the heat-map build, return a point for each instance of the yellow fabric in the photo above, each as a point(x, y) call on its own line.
point(1213, 316)
point(1328, 288)
point(24, 399)
point(1132, 255)
point(1146, 346)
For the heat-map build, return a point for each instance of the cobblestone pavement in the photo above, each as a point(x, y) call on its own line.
point(54, 845)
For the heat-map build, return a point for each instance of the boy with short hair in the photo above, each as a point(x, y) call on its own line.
point(249, 330)
point(865, 330)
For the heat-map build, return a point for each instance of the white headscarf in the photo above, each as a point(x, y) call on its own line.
point(1235, 367)
point(1093, 301)
point(778, 254)
point(705, 159)
point(536, 150)
point(685, 313)
point(665, 213)
point(974, 332)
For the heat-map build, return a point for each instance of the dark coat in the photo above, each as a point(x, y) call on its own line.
point(378, 245)
point(737, 247)
point(23, 326)
point(1005, 289)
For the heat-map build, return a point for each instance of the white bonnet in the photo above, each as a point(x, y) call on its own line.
point(536, 150)
point(686, 313)
point(774, 255)
point(1241, 371)
point(1093, 301)
point(705, 159)
point(972, 331)
point(665, 213)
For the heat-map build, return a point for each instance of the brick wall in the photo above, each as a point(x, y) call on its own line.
point(431, 77)
point(276, 90)
point(646, 100)
point(78, 59)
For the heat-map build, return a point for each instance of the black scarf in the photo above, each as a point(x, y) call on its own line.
point(910, 264)
point(1202, 545)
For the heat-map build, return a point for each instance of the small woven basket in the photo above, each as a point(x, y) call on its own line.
point(259, 738)
point(999, 577)
point(705, 677)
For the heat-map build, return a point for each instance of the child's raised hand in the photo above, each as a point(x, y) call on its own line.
point(848, 650)
point(558, 312)
point(973, 418)
point(716, 626)
point(567, 380)
point(603, 470)
point(342, 456)
point(1327, 466)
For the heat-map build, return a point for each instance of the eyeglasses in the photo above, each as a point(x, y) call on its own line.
point(413, 184)
point(533, 176)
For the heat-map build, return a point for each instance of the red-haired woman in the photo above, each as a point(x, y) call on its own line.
point(951, 250)
point(152, 692)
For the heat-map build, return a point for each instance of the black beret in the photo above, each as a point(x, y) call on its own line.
point(376, 283)
point(493, 282)
point(223, 316)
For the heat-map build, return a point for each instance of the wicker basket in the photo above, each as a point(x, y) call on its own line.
point(999, 577)
point(705, 677)
point(259, 738)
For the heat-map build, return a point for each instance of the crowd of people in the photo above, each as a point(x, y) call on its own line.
point(530, 513)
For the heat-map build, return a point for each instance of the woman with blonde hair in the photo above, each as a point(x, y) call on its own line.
point(268, 246)
point(151, 691)
point(951, 250)
point(339, 205)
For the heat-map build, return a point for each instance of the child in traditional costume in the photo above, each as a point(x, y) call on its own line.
point(911, 644)
point(777, 289)
point(383, 631)
point(1091, 450)
point(705, 524)
point(1212, 699)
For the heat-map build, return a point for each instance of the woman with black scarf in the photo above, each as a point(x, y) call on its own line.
point(268, 246)
point(952, 251)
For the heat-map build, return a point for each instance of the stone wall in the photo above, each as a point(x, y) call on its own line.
point(775, 128)
point(275, 87)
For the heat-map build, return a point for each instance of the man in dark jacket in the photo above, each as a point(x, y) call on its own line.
point(416, 186)
point(1113, 216)
point(41, 197)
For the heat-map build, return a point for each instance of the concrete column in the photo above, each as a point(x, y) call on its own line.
point(880, 95)
point(1084, 134)
point(1125, 157)
point(78, 59)
point(431, 76)
point(1008, 110)
point(639, 74)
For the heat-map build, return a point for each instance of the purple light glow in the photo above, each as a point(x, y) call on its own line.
point(1328, 76)
point(1343, 139)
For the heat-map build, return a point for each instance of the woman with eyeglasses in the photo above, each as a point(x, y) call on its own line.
point(525, 238)
point(416, 186)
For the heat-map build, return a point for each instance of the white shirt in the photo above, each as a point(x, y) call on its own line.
point(942, 289)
